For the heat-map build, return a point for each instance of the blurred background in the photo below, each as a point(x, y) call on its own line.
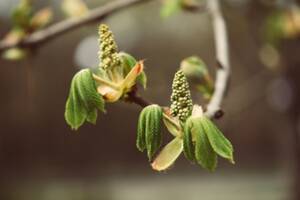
point(41, 158)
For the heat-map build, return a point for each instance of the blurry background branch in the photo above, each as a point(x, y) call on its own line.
point(39, 37)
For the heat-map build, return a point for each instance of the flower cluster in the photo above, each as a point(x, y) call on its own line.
point(182, 104)
point(108, 52)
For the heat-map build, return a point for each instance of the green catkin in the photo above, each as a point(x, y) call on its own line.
point(182, 104)
point(108, 50)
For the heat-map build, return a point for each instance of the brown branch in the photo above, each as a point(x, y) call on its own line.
point(40, 37)
point(222, 55)
point(133, 97)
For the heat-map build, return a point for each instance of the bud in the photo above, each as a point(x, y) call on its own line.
point(108, 52)
point(181, 97)
point(149, 130)
point(193, 67)
point(15, 54)
point(196, 71)
point(42, 18)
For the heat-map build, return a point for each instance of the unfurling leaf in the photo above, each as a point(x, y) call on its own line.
point(193, 67)
point(141, 131)
point(112, 91)
point(83, 100)
point(172, 124)
point(128, 62)
point(149, 130)
point(168, 155)
point(131, 78)
point(196, 71)
point(188, 143)
point(74, 8)
point(220, 144)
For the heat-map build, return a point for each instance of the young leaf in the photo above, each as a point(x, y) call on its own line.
point(220, 144)
point(204, 153)
point(83, 100)
point(141, 130)
point(153, 135)
point(193, 67)
point(188, 145)
point(128, 62)
point(196, 71)
point(168, 155)
point(130, 79)
point(149, 130)
point(172, 124)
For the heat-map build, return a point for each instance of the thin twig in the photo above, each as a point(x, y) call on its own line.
point(222, 55)
point(134, 97)
point(40, 37)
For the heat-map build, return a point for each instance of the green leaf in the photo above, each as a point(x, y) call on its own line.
point(153, 129)
point(172, 124)
point(220, 144)
point(193, 67)
point(128, 62)
point(141, 131)
point(196, 71)
point(170, 7)
point(188, 145)
point(168, 155)
point(149, 130)
point(204, 153)
point(83, 100)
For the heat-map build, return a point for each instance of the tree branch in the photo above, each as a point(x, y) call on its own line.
point(133, 97)
point(220, 34)
point(222, 55)
point(40, 37)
